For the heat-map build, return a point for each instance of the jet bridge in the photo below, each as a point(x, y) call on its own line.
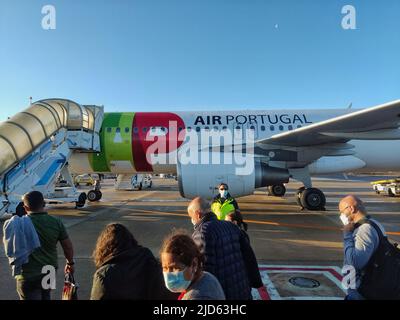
point(36, 145)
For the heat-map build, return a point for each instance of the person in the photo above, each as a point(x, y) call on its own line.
point(50, 231)
point(249, 256)
point(220, 242)
point(124, 269)
point(223, 203)
point(361, 239)
point(182, 264)
point(236, 218)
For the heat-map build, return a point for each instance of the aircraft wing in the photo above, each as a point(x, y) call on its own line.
point(376, 123)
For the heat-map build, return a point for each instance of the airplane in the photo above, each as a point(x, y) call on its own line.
point(286, 145)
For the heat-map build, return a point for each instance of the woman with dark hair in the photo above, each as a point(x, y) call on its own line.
point(248, 255)
point(182, 265)
point(124, 269)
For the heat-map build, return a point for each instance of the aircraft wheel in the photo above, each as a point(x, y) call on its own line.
point(390, 193)
point(313, 199)
point(140, 186)
point(92, 195)
point(277, 190)
point(81, 200)
point(99, 195)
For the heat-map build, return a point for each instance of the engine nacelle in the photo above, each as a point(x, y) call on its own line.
point(202, 179)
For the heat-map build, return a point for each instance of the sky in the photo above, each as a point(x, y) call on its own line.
point(171, 55)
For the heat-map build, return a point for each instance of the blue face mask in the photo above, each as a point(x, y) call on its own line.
point(175, 281)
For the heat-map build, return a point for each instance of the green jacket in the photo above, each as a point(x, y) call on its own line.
point(222, 207)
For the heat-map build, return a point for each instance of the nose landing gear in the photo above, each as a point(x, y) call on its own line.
point(95, 194)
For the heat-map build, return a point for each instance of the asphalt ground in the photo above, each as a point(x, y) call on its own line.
point(300, 253)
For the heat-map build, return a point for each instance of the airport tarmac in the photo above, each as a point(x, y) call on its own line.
point(299, 252)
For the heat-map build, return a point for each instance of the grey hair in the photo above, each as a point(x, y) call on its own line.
point(200, 204)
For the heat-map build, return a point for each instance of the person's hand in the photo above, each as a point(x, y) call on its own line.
point(69, 269)
point(349, 227)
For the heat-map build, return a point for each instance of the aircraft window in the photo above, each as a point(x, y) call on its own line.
point(180, 129)
point(188, 129)
point(207, 128)
point(144, 129)
point(198, 129)
point(135, 130)
point(156, 131)
point(252, 128)
point(224, 128)
point(262, 128)
point(126, 130)
point(109, 130)
point(237, 127)
point(290, 127)
point(272, 128)
point(216, 128)
point(118, 130)
point(281, 128)
point(299, 126)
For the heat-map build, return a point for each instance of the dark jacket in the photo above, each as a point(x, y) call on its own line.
point(251, 261)
point(220, 242)
point(134, 274)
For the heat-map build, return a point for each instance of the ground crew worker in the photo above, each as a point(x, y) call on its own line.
point(223, 203)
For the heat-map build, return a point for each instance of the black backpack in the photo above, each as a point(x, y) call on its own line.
point(380, 279)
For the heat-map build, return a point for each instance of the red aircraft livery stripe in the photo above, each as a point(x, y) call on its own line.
point(143, 122)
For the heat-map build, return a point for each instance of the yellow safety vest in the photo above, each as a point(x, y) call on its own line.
point(221, 210)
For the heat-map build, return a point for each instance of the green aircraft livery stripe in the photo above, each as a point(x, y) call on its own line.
point(115, 140)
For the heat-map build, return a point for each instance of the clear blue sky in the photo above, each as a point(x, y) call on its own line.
point(199, 54)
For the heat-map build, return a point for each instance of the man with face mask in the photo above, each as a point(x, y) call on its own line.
point(223, 203)
point(361, 240)
point(224, 249)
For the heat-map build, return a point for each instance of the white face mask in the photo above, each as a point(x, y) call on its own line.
point(223, 193)
point(345, 219)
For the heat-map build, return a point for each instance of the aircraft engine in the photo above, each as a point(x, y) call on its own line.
point(202, 179)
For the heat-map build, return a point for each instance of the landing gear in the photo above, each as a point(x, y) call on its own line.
point(311, 199)
point(94, 195)
point(298, 196)
point(277, 190)
point(81, 200)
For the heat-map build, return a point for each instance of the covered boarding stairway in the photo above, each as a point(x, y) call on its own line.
point(36, 145)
